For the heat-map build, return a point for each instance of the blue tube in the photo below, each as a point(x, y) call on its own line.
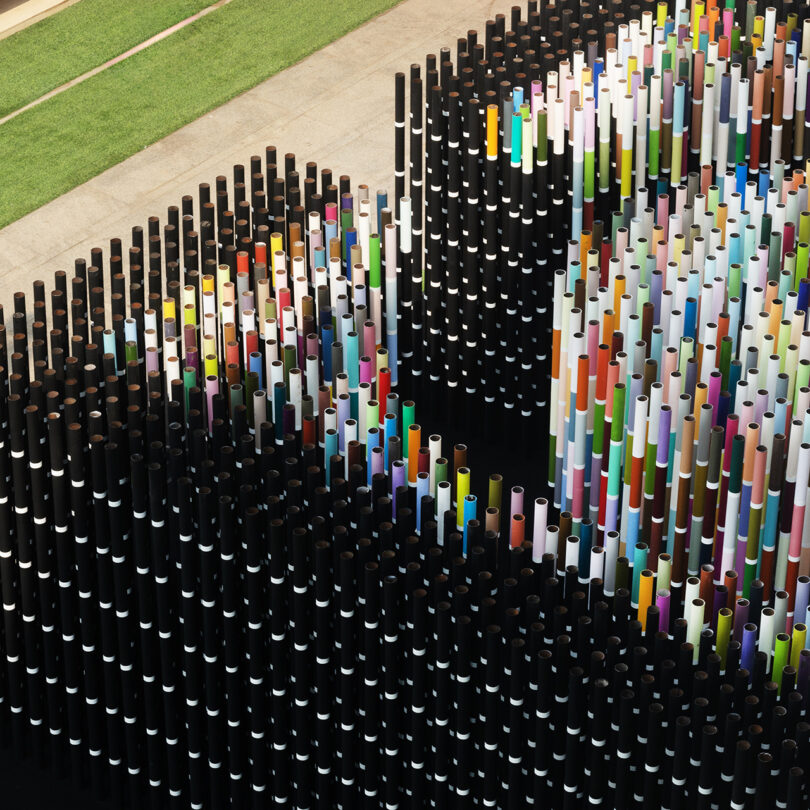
point(422, 489)
point(470, 503)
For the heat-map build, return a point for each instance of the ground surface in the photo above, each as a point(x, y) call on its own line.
point(335, 107)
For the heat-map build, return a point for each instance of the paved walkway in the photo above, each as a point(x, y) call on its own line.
point(17, 14)
point(335, 107)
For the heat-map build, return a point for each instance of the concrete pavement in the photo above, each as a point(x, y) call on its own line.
point(335, 107)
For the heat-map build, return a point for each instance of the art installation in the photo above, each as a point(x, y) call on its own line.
point(240, 565)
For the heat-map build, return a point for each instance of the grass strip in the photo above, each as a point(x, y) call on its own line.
point(65, 45)
point(79, 133)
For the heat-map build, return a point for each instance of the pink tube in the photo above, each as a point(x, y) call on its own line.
point(366, 367)
point(662, 599)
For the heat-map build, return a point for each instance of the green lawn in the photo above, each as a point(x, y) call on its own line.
point(75, 135)
point(83, 36)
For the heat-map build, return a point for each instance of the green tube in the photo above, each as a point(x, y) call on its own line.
point(780, 658)
point(713, 198)
point(802, 379)
point(374, 275)
point(542, 137)
point(408, 418)
point(802, 263)
point(739, 152)
point(725, 361)
point(724, 618)
point(786, 275)
point(372, 414)
point(270, 308)
point(441, 475)
point(616, 223)
point(669, 53)
point(783, 342)
point(654, 145)
point(751, 549)
point(774, 256)
point(346, 222)
point(734, 280)
point(687, 349)
point(765, 229)
point(664, 572)
point(589, 175)
point(778, 175)
point(804, 227)
point(735, 39)
point(616, 436)
point(622, 572)
point(189, 381)
point(251, 386)
point(495, 491)
point(235, 394)
point(750, 13)
point(288, 359)
point(131, 351)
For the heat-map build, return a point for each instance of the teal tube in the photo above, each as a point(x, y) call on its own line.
point(639, 564)
point(330, 449)
point(353, 370)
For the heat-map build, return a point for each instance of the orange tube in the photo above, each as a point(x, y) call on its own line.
point(414, 443)
point(517, 530)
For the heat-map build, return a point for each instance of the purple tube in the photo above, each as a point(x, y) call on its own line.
point(288, 415)
point(749, 646)
point(516, 502)
point(397, 480)
point(760, 405)
point(536, 90)
point(152, 361)
point(662, 599)
point(714, 395)
point(802, 598)
point(719, 603)
point(377, 460)
point(740, 617)
point(422, 489)
point(656, 286)
point(803, 679)
point(193, 359)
